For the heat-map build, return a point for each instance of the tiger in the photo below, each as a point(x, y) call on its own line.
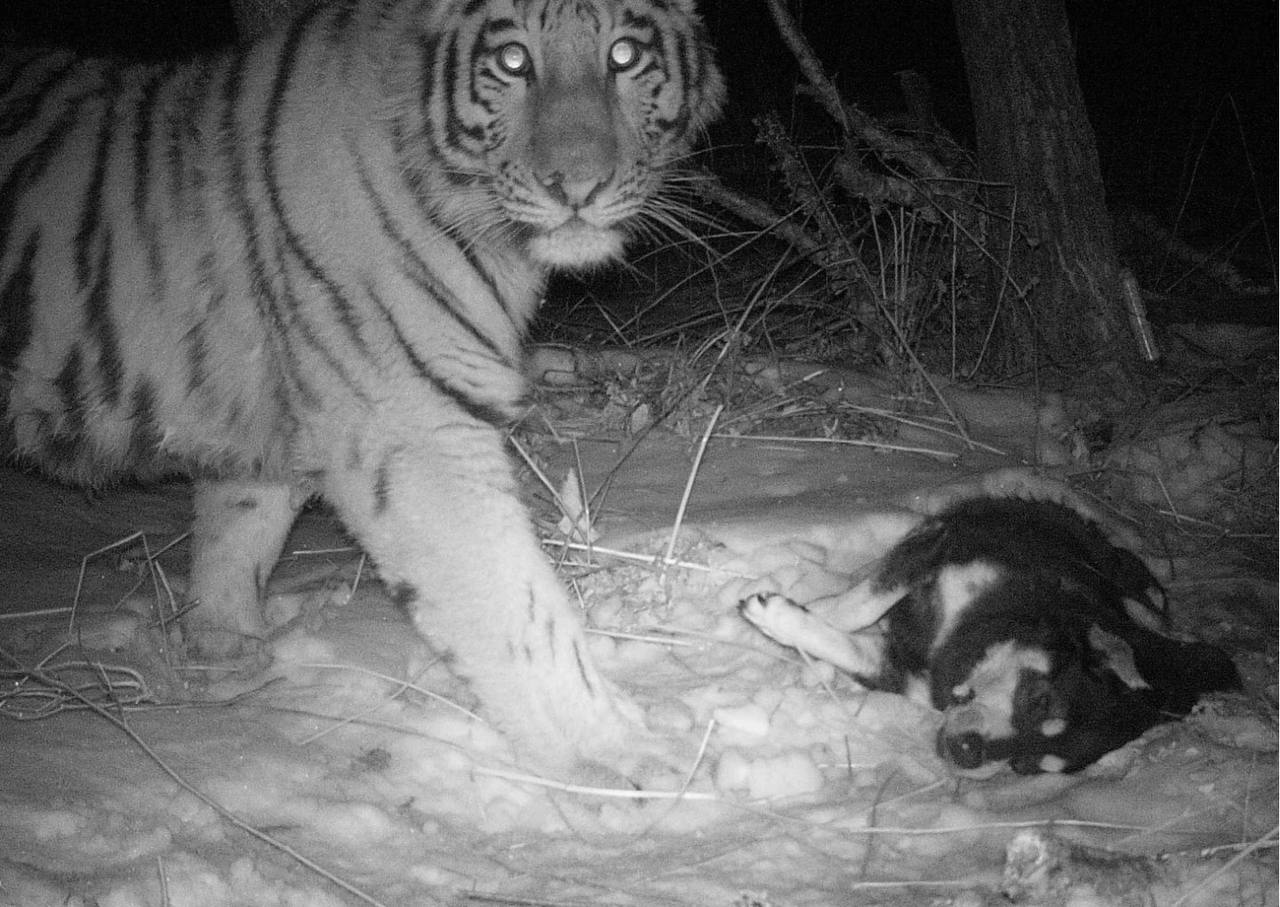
point(305, 266)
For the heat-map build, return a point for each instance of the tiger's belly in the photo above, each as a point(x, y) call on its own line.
point(166, 394)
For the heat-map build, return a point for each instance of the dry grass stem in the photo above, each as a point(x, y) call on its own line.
point(539, 474)
point(396, 681)
point(163, 878)
point(355, 582)
point(27, 694)
point(162, 590)
point(853, 442)
point(637, 557)
point(1267, 840)
point(702, 753)
point(894, 886)
point(926, 423)
point(616, 793)
point(935, 831)
point(357, 717)
point(84, 566)
point(639, 637)
point(688, 485)
point(511, 901)
point(684, 785)
point(30, 615)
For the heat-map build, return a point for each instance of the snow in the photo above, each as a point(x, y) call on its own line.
point(805, 789)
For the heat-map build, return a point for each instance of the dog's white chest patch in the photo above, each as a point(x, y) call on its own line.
point(956, 586)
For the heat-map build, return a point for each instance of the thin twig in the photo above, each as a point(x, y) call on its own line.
point(853, 442)
point(1268, 839)
point(594, 791)
point(639, 637)
point(652, 560)
point(84, 566)
point(27, 615)
point(398, 682)
point(688, 485)
point(851, 120)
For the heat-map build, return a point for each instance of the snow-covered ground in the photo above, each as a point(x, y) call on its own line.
point(353, 754)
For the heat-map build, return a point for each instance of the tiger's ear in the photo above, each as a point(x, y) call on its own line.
point(711, 96)
point(1117, 656)
point(706, 89)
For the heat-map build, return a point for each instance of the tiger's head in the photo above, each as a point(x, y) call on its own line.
point(557, 121)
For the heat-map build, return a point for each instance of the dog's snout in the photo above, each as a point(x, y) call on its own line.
point(964, 750)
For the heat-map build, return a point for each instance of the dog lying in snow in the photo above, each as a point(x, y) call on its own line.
point(1040, 641)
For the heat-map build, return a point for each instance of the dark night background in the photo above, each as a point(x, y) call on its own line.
point(1182, 93)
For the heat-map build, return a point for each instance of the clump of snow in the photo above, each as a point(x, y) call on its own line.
point(777, 777)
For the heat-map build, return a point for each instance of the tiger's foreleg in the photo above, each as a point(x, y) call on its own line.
point(240, 527)
point(456, 548)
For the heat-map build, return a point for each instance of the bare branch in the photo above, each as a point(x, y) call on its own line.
point(759, 214)
point(854, 122)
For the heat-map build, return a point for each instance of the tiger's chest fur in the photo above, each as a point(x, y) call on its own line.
point(310, 262)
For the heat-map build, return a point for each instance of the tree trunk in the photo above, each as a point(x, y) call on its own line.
point(1034, 136)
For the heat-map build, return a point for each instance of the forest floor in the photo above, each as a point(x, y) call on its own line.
point(808, 791)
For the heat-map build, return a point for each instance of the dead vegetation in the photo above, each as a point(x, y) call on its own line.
point(871, 248)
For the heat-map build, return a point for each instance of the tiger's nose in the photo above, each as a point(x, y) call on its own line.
point(574, 145)
point(575, 192)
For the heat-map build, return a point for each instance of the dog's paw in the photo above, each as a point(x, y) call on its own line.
point(793, 625)
point(774, 615)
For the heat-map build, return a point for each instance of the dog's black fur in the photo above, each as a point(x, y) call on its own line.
point(1041, 642)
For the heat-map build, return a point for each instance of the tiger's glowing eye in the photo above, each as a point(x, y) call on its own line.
point(514, 59)
point(623, 55)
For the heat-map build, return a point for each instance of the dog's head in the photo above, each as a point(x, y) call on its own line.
point(1058, 693)
point(1043, 641)
point(1041, 708)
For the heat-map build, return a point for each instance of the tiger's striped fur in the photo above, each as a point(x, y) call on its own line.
point(307, 265)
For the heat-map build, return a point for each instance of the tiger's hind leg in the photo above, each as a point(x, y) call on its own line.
point(456, 548)
point(240, 527)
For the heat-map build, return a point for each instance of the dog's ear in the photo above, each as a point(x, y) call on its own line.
point(1142, 595)
point(1149, 610)
point(1116, 655)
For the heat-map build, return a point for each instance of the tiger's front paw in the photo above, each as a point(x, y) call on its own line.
point(652, 747)
point(220, 640)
